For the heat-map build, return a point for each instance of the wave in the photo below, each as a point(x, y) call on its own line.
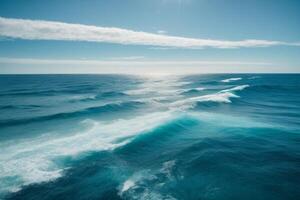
point(231, 80)
point(148, 184)
point(40, 157)
point(81, 98)
point(31, 93)
point(110, 107)
point(254, 77)
point(37, 156)
point(157, 135)
point(7, 107)
point(49, 92)
point(171, 134)
point(93, 97)
point(193, 90)
point(222, 96)
point(111, 94)
point(237, 88)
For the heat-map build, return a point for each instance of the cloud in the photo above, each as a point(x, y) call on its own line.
point(139, 67)
point(122, 62)
point(49, 30)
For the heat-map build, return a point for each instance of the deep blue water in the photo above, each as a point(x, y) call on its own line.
point(202, 137)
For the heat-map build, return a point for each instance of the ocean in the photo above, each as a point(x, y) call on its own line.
point(196, 137)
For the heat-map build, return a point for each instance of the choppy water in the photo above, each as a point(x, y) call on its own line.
point(221, 137)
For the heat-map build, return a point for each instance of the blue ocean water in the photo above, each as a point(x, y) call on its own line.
point(222, 136)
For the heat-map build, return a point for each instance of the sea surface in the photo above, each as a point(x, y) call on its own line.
point(200, 137)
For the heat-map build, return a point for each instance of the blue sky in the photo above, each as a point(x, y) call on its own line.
point(149, 36)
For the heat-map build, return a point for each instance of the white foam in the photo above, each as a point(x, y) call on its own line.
point(222, 96)
point(82, 97)
point(147, 184)
point(200, 88)
point(32, 161)
point(127, 185)
point(237, 88)
point(190, 89)
point(231, 79)
point(167, 168)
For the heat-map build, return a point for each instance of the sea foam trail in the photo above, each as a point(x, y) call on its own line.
point(222, 96)
point(37, 156)
point(237, 88)
point(231, 80)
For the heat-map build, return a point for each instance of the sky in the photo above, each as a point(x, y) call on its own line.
point(149, 36)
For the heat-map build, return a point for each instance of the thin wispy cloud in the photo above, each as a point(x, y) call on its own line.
point(142, 67)
point(49, 30)
point(120, 61)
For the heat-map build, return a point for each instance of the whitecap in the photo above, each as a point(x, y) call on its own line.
point(222, 96)
point(231, 79)
point(147, 184)
point(127, 185)
point(237, 88)
point(200, 88)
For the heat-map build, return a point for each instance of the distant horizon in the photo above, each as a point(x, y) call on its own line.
point(187, 74)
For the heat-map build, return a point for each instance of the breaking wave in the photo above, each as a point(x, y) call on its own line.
point(230, 80)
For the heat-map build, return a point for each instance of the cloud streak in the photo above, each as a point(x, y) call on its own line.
point(122, 62)
point(49, 30)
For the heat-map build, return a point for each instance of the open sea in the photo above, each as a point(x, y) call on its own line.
point(200, 137)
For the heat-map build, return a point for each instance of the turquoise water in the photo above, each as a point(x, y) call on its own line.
point(223, 136)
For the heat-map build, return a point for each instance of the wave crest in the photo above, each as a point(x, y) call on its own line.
point(231, 80)
point(222, 96)
point(37, 156)
point(106, 108)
